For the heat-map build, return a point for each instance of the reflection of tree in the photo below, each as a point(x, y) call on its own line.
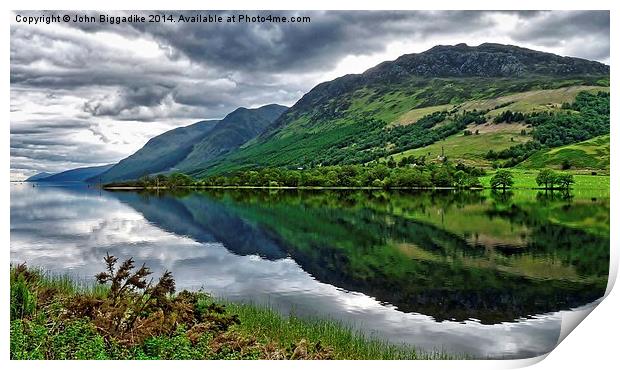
point(502, 197)
point(547, 196)
point(587, 252)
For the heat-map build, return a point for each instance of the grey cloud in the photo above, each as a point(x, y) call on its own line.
point(568, 28)
point(304, 47)
point(127, 98)
point(258, 49)
point(552, 27)
point(42, 127)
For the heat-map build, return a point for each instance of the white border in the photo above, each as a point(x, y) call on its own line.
point(591, 345)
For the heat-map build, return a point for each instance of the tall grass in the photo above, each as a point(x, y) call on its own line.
point(347, 342)
point(23, 300)
point(68, 284)
point(263, 323)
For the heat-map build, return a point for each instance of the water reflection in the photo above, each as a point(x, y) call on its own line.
point(465, 272)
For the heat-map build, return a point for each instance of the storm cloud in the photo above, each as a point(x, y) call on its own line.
point(92, 93)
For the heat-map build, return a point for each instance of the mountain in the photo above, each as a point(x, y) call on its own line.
point(351, 119)
point(230, 133)
point(159, 153)
point(77, 175)
point(39, 176)
point(187, 147)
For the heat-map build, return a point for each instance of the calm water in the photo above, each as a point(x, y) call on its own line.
point(468, 272)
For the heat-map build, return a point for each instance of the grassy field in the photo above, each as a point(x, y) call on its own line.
point(529, 101)
point(57, 317)
point(526, 179)
point(415, 114)
point(472, 149)
point(591, 154)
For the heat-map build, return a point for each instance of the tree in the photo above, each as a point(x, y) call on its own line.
point(442, 177)
point(546, 177)
point(179, 179)
point(160, 180)
point(391, 162)
point(461, 179)
point(502, 179)
point(565, 180)
point(145, 181)
point(377, 183)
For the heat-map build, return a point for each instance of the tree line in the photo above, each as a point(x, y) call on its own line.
point(408, 172)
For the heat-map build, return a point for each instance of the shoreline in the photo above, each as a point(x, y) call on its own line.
point(112, 188)
point(256, 332)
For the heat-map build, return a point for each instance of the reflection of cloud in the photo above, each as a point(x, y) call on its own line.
point(69, 230)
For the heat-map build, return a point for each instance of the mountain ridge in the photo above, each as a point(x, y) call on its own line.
point(183, 145)
point(80, 174)
point(38, 176)
point(231, 132)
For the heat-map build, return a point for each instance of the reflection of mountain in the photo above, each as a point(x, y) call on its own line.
point(357, 242)
point(204, 220)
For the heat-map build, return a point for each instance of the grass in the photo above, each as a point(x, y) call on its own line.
point(472, 149)
point(344, 340)
point(591, 154)
point(45, 324)
point(531, 101)
point(415, 114)
point(526, 179)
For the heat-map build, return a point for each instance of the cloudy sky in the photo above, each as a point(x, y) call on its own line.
point(90, 94)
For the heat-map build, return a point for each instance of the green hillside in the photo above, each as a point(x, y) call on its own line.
point(526, 102)
point(471, 149)
point(590, 154)
point(486, 106)
point(230, 133)
point(361, 118)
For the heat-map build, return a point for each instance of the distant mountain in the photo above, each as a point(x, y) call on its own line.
point(234, 130)
point(77, 174)
point(39, 176)
point(190, 146)
point(325, 126)
point(159, 153)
